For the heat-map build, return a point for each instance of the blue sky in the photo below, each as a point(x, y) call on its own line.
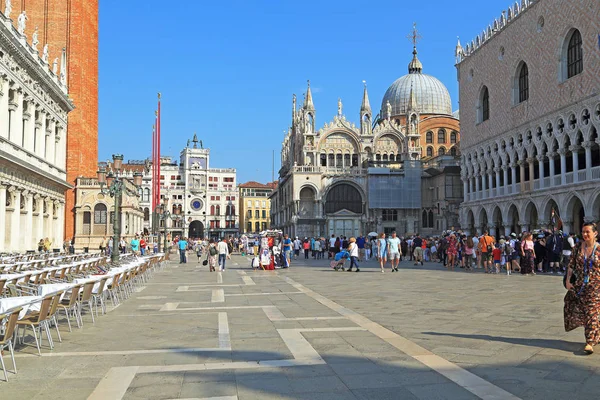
point(227, 70)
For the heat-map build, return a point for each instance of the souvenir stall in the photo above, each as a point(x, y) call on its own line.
point(270, 253)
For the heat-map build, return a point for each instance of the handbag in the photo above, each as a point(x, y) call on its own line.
point(205, 262)
point(573, 277)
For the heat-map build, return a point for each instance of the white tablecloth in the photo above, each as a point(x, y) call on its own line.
point(44, 290)
point(29, 303)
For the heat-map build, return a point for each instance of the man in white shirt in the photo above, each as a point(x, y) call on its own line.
point(297, 246)
point(332, 241)
point(223, 253)
point(394, 251)
point(568, 246)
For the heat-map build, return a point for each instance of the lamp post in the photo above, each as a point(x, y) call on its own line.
point(115, 185)
point(165, 215)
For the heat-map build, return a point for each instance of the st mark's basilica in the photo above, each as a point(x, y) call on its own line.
point(377, 175)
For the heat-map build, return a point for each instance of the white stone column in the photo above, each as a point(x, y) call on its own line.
point(50, 142)
point(521, 165)
point(541, 159)
point(477, 183)
point(513, 176)
point(563, 165)
point(588, 160)
point(465, 182)
point(552, 167)
point(505, 176)
point(15, 223)
point(40, 138)
point(490, 184)
point(28, 126)
point(60, 224)
point(472, 186)
point(27, 233)
point(50, 222)
point(3, 112)
point(497, 171)
point(39, 233)
point(62, 149)
point(16, 120)
point(2, 215)
point(531, 165)
point(575, 153)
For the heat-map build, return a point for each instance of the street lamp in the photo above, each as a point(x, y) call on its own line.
point(166, 215)
point(115, 185)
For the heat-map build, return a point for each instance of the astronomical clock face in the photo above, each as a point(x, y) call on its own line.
point(196, 204)
point(197, 163)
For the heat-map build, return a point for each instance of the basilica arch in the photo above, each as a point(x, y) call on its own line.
point(343, 208)
point(339, 149)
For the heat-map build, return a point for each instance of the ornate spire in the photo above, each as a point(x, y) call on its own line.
point(195, 140)
point(308, 101)
point(459, 52)
point(366, 106)
point(415, 66)
point(412, 102)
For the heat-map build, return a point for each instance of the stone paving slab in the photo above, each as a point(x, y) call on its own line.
point(311, 333)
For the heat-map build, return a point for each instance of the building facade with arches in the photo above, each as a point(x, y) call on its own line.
point(34, 105)
point(350, 179)
point(530, 113)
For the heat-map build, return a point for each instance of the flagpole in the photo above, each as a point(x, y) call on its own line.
point(158, 151)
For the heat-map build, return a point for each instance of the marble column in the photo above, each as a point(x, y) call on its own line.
point(50, 219)
point(3, 112)
point(477, 184)
point(15, 223)
point(490, 176)
point(575, 153)
point(513, 176)
point(29, 126)
point(563, 165)
point(39, 233)
point(16, 118)
point(50, 142)
point(541, 159)
point(524, 226)
point(27, 240)
point(505, 176)
point(530, 163)
point(497, 172)
point(40, 139)
point(465, 188)
point(472, 186)
point(521, 165)
point(552, 167)
point(60, 223)
point(2, 213)
point(588, 160)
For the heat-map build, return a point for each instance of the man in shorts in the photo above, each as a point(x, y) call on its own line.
point(486, 247)
point(418, 253)
point(394, 251)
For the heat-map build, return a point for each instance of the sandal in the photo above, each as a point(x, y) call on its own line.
point(588, 349)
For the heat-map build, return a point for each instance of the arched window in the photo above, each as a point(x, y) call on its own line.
point(523, 83)
point(429, 137)
point(212, 210)
point(441, 136)
point(249, 227)
point(441, 151)
point(378, 157)
point(331, 160)
point(146, 214)
point(430, 219)
point(100, 212)
point(257, 227)
point(343, 197)
point(575, 55)
point(453, 151)
point(323, 160)
point(453, 137)
point(429, 151)
point(87, 222)
point(232, 210)
point(385, 157)
point(424, 219)
point(218, 210)
point(485, 104)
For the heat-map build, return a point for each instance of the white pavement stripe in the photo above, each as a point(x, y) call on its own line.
point(211, 398)
point(219, 277)
point(248, 280)
point(224, 338)
point(298, 345)
point(123, 352)
point(474, 384)
point(261, 294)
point(114, 384)
point(230, 365)
point(169, 307)
point(218, 296)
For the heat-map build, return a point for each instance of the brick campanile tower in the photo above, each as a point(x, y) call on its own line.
point(73, 25)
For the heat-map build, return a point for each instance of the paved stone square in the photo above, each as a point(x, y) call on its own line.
point(311, 333)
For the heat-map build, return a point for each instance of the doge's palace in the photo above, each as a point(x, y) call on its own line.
point(33, 133)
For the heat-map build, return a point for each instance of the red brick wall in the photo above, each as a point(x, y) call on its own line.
point(71, 24)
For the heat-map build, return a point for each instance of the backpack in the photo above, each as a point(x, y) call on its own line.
point(508, 250)
point(213, 251)
point(518, 246)
point(566, 244)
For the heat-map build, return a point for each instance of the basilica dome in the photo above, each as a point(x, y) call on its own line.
point(430, 95)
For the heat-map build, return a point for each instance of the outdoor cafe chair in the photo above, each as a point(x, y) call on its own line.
point(38, 321)
point(10, 320)
point(98, 297)
point(86, 300)
point(71, 306)
point(113, 289)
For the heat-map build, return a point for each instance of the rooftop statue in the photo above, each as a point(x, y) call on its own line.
point(7, 8)
point(21, 21)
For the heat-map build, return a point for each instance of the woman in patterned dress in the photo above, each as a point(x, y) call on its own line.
point(452, 251)
point(527, 254)
point(582, 301)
